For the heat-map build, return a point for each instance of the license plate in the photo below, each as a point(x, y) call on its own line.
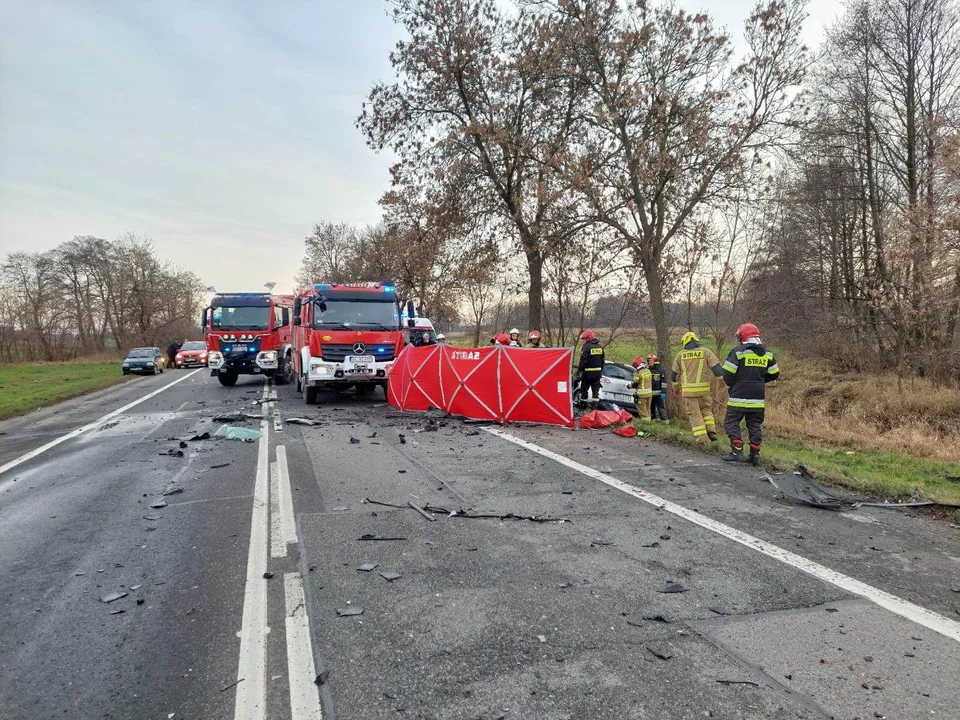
point(360, 359)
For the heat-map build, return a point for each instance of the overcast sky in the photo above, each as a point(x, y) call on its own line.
point(222, 130)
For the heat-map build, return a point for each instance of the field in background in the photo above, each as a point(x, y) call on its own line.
point(28, 386)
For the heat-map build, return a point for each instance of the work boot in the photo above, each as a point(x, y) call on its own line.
point(755, 456)
point(736, 454)
point(712, 436)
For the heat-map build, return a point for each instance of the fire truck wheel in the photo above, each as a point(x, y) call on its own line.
point(285, 372)
point(299, 382)
point(309, 394)
point(227, 379)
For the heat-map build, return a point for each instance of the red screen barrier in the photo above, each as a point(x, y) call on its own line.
point(498, 383)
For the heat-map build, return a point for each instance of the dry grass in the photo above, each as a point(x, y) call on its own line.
point(865, 412)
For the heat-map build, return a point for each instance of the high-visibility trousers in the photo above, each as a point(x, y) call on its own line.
point(700, 413)
point(643, 406)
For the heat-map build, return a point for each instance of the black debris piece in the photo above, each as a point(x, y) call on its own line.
point(664, 537)
point(350, 611)
point(267, 575)
point(738, 682)
point(231, 685)
point(390, 576)
point(566, 492)
point(237, 417)
point(673, 588)
point(156, 505)
point(403, 439)
point(354, 441)
point(114, 596)
point(322, 677)
point(598, 542)
point(720, 611)
point(152, 517)
point(658, 618)
point(472, 421)
point(367, 567)
point(654, 544)
point(472, 515)
point(117, 612)
point(183, 444)
point(201, 436)
point(136, 587)
point(340, 508)
point(471, 433)
point(217, 467)
point(300, 421)
point(371, 536)
point(660, 652)
point(140, 601)
point(420, 510)
point(401, 471)
point(372, 435)
point(172, 453)
point(172, 491)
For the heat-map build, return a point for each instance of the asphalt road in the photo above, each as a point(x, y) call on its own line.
point(238, 591)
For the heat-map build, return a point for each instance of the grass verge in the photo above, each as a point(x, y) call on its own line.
point(28, 386)
point(869, 472)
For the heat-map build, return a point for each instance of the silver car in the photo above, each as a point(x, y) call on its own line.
point(615, 386)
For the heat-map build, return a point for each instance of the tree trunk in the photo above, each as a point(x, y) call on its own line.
point(535, 294)
point(651, 273)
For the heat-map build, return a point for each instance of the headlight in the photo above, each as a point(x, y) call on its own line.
point(319, 370)
point(179, 356)
point(203, 356)
point(269, 355)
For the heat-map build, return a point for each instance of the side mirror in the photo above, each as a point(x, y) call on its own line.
point(411, 322)
point(203, 319)
point(296, 306)
point(410, 311)
point(296, 319)
point(322, 305)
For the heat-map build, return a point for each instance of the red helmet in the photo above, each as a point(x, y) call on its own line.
point(501, 339)
point(534, 335)
point(747, 331)
point(588, 335)
point(638, 361)
point(651, 359)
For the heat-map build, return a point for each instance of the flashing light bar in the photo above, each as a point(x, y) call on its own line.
point(385, 286)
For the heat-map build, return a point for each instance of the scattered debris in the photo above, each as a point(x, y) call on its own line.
point(172, 453)
point(654, 544)
point(322, 677)
point(367, 567)
point(658, 618)
point(117, 612)
point(135, 587)
point(340, 508)
point(420, 510)
point(370, 536)
point(228, 432)
point(542, 638)
point(471, 515)
point(267, 575)
point(350, 611)
point(107, 426)
point(598, 542)
point(300, 421)
point(114, 596)
point(172, 491)
point(390, 576)
point(153, 517)
point(720, 611)
point(201, 436)
point(140, 601)
point(354, 441)
point(232, 685)
point(738, 682)
point(403, 439)
point(660, 652)
point(158, 504)
point(183, 444)
point(673, 588)
point(217, 467)
point(190, 611)
point(237, 417)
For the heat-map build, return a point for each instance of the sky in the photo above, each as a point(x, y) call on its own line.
point(222, 130)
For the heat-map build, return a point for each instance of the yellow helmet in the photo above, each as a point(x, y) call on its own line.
point(688, 337)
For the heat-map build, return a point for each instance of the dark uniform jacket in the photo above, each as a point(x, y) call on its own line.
point(656, 372)
point(591, 359)
point(747, 369)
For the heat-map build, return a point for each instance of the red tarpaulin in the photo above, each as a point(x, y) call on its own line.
point(498, 383)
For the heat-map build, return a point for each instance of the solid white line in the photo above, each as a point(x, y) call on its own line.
point(278, 546)
point(920, 615)
point(304, 696)
point(287, 523)
point(252, 669)
point(89, 426)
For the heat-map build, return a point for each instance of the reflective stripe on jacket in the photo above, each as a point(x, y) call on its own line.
point(591, 358)
point(693, 368)
point(643, 380)
point(746, 371)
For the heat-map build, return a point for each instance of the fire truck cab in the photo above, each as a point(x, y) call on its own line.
point(345, 334)
point(249, 334)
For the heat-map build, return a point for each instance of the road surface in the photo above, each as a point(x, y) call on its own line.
point(237, 594)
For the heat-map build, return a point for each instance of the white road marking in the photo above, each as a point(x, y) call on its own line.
point(304, 697)
point(920, 615)
point(89, 426)
point(285, 499)
point(251, 697)
point(278, 545)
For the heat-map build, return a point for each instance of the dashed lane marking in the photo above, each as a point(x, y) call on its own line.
point(285, 499)
point(89, 426)
point(920, 615)
point(304, 698)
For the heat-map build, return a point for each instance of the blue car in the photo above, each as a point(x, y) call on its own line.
point(143, 360)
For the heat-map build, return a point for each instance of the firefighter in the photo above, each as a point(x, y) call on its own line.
point(515, 338)
point(426, 339)
point(590, 368)
point(747, 370)
point(658, 405)
point(534, 338)
point(643, 382)
point(691, 375)
point(441, 339)
point(501, 339)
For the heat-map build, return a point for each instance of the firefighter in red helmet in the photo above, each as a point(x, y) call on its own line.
point(590, 368)
point(643, 386)
point(534, 338)
point(746, 371)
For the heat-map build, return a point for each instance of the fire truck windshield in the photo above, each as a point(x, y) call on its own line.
point(241, 318)
point(377, 314)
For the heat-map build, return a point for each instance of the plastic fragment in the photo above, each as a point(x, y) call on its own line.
point(229, 432)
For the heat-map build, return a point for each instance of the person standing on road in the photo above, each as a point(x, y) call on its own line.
point(658, 405)
point(643, 382)
point(172, 350)
point(534, 338)
point(691, 372)
point(746, 371)
point(590, 368)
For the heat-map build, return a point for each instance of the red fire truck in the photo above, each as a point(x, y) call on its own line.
point(346, 334)
point(249, 334)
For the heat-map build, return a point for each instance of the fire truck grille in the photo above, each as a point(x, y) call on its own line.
point(337, 353)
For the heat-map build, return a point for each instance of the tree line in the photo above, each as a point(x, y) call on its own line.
point(89, 296)
point(578, 151)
